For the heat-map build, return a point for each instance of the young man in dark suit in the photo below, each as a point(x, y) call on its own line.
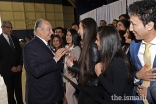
point(11, 63)
point(43, 67)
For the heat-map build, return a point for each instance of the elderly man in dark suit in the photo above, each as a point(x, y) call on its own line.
point(11, 63)
point(43, 67)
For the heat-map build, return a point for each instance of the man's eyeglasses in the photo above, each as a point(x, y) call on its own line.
point(50, 29)
point(8, 27)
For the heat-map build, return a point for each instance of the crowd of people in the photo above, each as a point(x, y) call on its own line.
point(114, 62)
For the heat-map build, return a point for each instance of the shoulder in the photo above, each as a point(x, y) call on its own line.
point(117, 63)
point(14, 37)
point(1, 35)
point(32, 43)
point(135, 42)
point(117, 60)
point(77, 48)
point(93, 45)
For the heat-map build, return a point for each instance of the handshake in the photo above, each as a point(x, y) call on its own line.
point(70, 60)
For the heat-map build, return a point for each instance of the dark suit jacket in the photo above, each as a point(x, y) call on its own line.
point(115, 83)
point(43, 75)
point(134, 49)
point(8, 57)
point(153, 91)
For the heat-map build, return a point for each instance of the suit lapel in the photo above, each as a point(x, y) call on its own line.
point(42, 44)
point(4, 41)
point(138, 63)
point(154, 63)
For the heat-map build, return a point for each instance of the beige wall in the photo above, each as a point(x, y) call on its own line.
point(68, 13)
point(23, 15)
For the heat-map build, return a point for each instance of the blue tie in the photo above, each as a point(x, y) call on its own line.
point(50, 49)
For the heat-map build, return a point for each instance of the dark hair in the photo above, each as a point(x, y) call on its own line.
point(124, 15)
point(121, 33)
point(75, 37)
point(60, 40)
point(100, 28)
point(131, 35)
point(103, 21)
point(126, 45)
point(115, 20)
point(110, 48)
point(59, 28)
point(145, 10)
point(89, 36)
point(126, 23)
point(111, 25)
point(75, 24)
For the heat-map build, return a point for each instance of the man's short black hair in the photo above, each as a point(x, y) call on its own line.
point(145, 10)
point(75, 24)
point(59, 28)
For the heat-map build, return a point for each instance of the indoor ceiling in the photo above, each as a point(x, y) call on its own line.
point(91, 2)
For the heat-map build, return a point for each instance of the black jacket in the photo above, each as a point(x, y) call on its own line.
point(8, 57)
point(95, 58)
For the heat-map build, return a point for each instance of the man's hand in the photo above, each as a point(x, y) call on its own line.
point(59, 53)
point(19, 68)
point(146, 74)
point(142, 91)
point(98, 68)
point(14, 69)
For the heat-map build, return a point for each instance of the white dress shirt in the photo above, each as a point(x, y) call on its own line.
point(6, 37)
point(141, 54)
point(152, 50)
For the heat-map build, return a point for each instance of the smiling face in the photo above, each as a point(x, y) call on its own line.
point(69, 38)
point(120, 26)
point(56, 42)
point(140, 31)
point(127, 35)
point(45, 31)
point(98, 41)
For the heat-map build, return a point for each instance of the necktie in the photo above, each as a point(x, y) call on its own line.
point(50, 49)
point(11, 42)
point(147, 60)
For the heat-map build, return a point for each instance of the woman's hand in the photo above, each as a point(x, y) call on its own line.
point(98, 68)
point(70, 60)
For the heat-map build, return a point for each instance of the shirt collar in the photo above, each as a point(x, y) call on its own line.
point(45, 42)
point(152, 42)
point(6, 36)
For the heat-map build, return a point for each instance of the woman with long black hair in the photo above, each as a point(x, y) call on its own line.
point(84, 67)
point(114, 71)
